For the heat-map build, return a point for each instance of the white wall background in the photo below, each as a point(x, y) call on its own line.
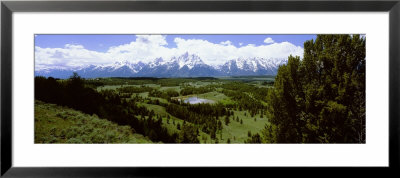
point(373, 153)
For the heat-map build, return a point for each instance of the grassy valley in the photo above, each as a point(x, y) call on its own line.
point(317, 98)
point(235, 122)
point(56, 124)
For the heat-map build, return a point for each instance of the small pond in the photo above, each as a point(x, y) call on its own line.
point(195, 100)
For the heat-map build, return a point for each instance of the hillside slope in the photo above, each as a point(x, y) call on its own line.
point(57, 124)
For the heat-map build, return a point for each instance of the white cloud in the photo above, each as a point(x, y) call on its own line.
point(67, 57)
point(148, 47)
point(240, 44)
point(73, 46)
point(226, 43)
point(152, 39)
point(269, 40)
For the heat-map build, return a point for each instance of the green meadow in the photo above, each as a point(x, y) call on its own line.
point(57, 124)
point(316, 98)
point(53, 122)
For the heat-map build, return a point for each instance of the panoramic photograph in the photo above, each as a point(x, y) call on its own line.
point(199, 88)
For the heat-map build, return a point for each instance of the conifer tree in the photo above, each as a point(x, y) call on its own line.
point(321, 97)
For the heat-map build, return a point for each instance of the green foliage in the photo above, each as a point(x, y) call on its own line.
point(147, 80)
point(93, 83)
point(56, 124)
point(227, 120)
point(141, 102)
point(320, 98)
point(106, 104)
point(204, 115)
point(133, 89)
point(247, 97)
point(188, 134)
point(256, 138)
point(164, 94)
point(189, 90)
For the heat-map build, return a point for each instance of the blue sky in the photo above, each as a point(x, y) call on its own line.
point(66, 51)
point(297, 40)
point(102, 43)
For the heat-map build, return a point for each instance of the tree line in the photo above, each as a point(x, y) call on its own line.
point(108, 105)
point(321, 97)
point(206, 116)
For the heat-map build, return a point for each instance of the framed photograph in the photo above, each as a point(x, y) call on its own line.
point(136, 88)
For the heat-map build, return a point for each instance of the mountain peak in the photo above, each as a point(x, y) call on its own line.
point(189, 60)
point(159, 60)
point(156, 62)
point(122, 62)
point(184, 65)
point(185, 55)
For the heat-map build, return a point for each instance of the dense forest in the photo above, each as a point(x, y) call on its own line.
point(108, 105)
point(321, 97)
point(316, 98)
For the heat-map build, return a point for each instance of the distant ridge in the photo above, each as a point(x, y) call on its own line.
point(185, 65)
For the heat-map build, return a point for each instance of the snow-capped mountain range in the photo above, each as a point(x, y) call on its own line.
point(186, 65)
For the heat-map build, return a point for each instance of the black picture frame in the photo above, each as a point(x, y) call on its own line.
point(8, 7)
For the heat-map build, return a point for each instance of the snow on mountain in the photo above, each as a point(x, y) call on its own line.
point(186, 60)
point(252, 66)
point(157, 62)
point(185, 65)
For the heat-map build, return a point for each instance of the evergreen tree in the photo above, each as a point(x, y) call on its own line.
point(227, 120)
point(219, 125)
point(188, 134)
point(321, 98)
